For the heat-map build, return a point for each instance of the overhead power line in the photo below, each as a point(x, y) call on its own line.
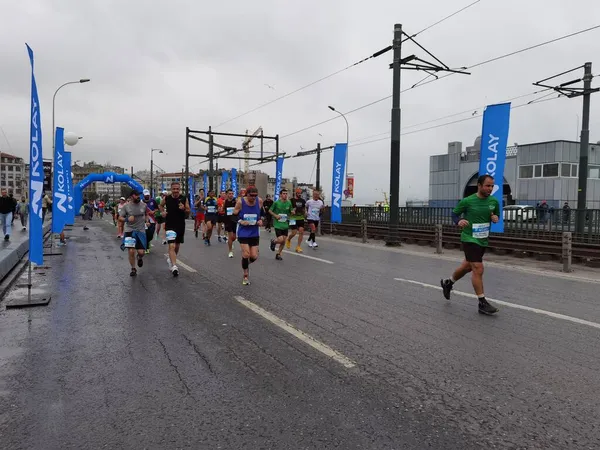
point(374, 55)
point(421, 83)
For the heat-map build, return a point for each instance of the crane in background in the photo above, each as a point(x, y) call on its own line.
point(246, 148)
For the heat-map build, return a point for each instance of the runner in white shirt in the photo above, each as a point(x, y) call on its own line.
point(313, 215)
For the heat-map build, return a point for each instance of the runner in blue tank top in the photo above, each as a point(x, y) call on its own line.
point(247, 210)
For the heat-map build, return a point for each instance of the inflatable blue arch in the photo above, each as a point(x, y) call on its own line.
point(106, 177)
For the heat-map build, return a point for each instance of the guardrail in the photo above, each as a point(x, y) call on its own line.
point(548, 225)
point(448, 236)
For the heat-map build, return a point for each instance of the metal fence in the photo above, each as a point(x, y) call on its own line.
point(529, 223)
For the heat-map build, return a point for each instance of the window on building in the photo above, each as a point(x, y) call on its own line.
point(565, 170)
point(551, 170)
point(594, 172)
point(574, 170)
point(525, 171)
point(537, 171)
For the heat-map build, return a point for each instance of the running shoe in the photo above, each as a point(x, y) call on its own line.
point(273, 245)
point(447, 287)
point(299, 249)
point(230, 255)
point(246, 282)
point(175, 271)
point(288, 244)
point(140, 261)
point(133, 272)
point(278, 257)
point(486, 308)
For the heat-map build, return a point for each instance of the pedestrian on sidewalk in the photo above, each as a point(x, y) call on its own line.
point(7, 207)
point(23, 208)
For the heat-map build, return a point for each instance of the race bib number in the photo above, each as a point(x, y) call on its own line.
point(292, 221)
point(129, 242)
point(211, 210)
point(251, 218)
point(283, 217)
point(481, 230)
point(230, 210)
point(171, 235)
point(315, 212)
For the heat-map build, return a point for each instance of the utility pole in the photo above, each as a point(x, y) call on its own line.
point(187, 161)
point(583, 149)
point(572, 92)
point(393, 238)
point(318, 181)
point(210, 159)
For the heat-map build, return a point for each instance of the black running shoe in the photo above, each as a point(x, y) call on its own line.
point(487, 308)
point(272, 245)
point(140, 261)
point(196, 233)
point(447, 287)
point(133, 272)
point(278, 257)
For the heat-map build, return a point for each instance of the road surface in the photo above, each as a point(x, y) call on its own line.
point(347, 347)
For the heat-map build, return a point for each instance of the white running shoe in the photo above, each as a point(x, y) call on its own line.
point(230, 255)
point(175, 271)
point(315, 245)
point(310, 244)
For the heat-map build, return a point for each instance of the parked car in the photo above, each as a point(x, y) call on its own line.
point(519, 213)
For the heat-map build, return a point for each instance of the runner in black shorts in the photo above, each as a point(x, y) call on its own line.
point(174, 209)
point(475, 214)
point(297, 220)
point(280, 210)
point(230, 223)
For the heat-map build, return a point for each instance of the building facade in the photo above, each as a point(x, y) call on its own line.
point(533, 173)
point(12, 175)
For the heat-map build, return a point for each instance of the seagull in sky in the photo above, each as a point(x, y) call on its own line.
point(269, 86)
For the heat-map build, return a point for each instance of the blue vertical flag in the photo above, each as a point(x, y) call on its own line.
point(278, 176)
point(205, 181)
point(60, 201)
point(234, 186)
point(69, 183)
point(224, 177)
point(337, 181)
point(191, 195)
point(162, 187)
point(36, 175)
point(494, 137)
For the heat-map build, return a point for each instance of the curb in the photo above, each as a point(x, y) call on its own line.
point(11, 258)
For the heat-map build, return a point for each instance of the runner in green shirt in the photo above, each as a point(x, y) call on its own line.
point(281, 211)
point(474, 215)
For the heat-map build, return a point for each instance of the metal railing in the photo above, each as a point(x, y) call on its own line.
point(532, 223)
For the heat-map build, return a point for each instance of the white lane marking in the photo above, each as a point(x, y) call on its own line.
point(501, 265)
point(510, 305)
point(309, 257)
point(184, 265)
point(307, 339)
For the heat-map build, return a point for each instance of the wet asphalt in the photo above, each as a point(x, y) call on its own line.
point(162, 362)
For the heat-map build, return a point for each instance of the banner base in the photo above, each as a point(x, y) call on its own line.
point(27, 298)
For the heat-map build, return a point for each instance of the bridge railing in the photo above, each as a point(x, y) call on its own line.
point(521, 223)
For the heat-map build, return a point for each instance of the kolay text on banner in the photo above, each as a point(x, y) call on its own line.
point(36, 175)
point(234, 186)
point(224, 177)
point(337, 181)
point(69, 183)
point(60, 200)
point(278, 176)
point(494, 137)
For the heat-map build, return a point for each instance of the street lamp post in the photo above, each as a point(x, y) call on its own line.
point(83, 80)
point(347, 141)
point(152, 150)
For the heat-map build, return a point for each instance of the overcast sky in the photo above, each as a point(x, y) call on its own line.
point(159, 67)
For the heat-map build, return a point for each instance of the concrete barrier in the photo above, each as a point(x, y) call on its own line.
point(14, 251)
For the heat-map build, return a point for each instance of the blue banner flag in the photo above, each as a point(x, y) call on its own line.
point(60, 201)
point(278, 176)
point(36, 175)
point(234, 186)
point(337, 181)
point(205, 182)
point(162, 187)
point(69, 183)
point(224, 178)
point(494, 137)
point(191, 192)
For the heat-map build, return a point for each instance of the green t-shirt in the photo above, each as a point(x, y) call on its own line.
point(157, 211)
point(283, 209)
point(478, 212)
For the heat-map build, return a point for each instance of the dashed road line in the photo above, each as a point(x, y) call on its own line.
point(326, 261)
point(510, 305)
point(184, 265)
point(299, 334)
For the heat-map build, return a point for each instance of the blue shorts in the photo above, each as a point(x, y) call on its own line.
point(140, 239)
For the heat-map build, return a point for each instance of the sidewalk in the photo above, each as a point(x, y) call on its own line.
point(12, 251)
